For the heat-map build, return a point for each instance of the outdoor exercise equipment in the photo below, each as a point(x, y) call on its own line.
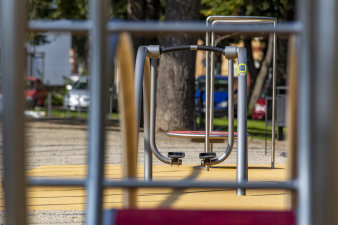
point(210, 41)
point(315, 169)
point(142, 77)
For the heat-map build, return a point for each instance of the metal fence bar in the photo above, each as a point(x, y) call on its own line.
point(130, 183)
point(153, 27)
point(198, 27)
point(13, 36)
point(60, 25)
point(201, 184)
point(98, 88)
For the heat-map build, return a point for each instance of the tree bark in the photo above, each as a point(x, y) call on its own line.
point(143, 10)
point(261, 75)
point(251, 65)
point(176, 80)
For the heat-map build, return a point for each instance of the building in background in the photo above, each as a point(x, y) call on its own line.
point(50, 62)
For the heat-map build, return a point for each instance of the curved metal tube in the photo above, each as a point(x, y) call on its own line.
point(247, 20)
point(141, 78)
point(153, 113)
point(142, 75)
point(230, 115)
point(148, 155)
point(191, 47)
point(138, 79)
point(243, 19)
point(241, 55)
point(124, 54)
point(153, 93)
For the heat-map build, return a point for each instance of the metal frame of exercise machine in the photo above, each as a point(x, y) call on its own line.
point(315, 41)
point(152, 53)
point(210, 41)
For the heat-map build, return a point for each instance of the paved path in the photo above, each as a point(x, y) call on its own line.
point(59, 148)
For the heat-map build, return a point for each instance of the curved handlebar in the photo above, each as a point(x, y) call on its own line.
point(141, 59)
point(191, 48)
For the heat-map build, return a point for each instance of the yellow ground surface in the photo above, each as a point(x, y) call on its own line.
point(69, 198)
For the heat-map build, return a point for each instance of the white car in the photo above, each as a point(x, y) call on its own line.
point(78, 95)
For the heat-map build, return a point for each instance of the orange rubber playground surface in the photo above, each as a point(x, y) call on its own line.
point(73, 198)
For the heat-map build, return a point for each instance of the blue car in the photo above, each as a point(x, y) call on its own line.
point(220, 95)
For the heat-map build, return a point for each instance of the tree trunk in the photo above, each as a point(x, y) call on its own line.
point(261, 75)
point(143, 10)
point(251, 65)
point(176, 80)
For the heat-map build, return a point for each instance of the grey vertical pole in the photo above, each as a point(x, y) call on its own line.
point(49, 105)
point(242, 156)
point(320, 77)
point(207, 96)
point(79, 107)
point(305, 13)
point(13, 22)
point(98, 88)
point(110, 104)
point(212, 84)
point(273, 145)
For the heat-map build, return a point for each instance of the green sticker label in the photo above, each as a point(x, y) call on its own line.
point(241, 68)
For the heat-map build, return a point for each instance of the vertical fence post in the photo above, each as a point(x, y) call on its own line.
point(98, 10)
point(49, 104)
point(13, 22)
point(79, 107)
point(318, 99)
point(306, 63)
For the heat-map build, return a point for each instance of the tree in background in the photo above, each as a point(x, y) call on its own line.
point(176, 90)
point(144, 10)
point(283, 10)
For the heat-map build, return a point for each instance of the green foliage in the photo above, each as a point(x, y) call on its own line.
point(57, 99)
point(281, 9)
point(119, 9)
point(75, 9)
point(219, 7)
point(40, 9)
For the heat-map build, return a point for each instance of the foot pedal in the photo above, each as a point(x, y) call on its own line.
point(207, 155)
point(176, 155)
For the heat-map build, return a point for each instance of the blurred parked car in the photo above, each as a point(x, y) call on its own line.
point(78, 95)
point(35, 92)
point(220, 95)
point(259, 109)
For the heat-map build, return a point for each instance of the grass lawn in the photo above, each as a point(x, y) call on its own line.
point(256, 128)
point(60, 113)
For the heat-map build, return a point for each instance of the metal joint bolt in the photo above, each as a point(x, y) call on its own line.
point(230, 52)
point(153, 51)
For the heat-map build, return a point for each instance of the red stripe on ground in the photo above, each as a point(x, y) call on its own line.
point(177, 217)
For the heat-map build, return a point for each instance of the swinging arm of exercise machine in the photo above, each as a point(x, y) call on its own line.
point(231, 53)
point(154, 52)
